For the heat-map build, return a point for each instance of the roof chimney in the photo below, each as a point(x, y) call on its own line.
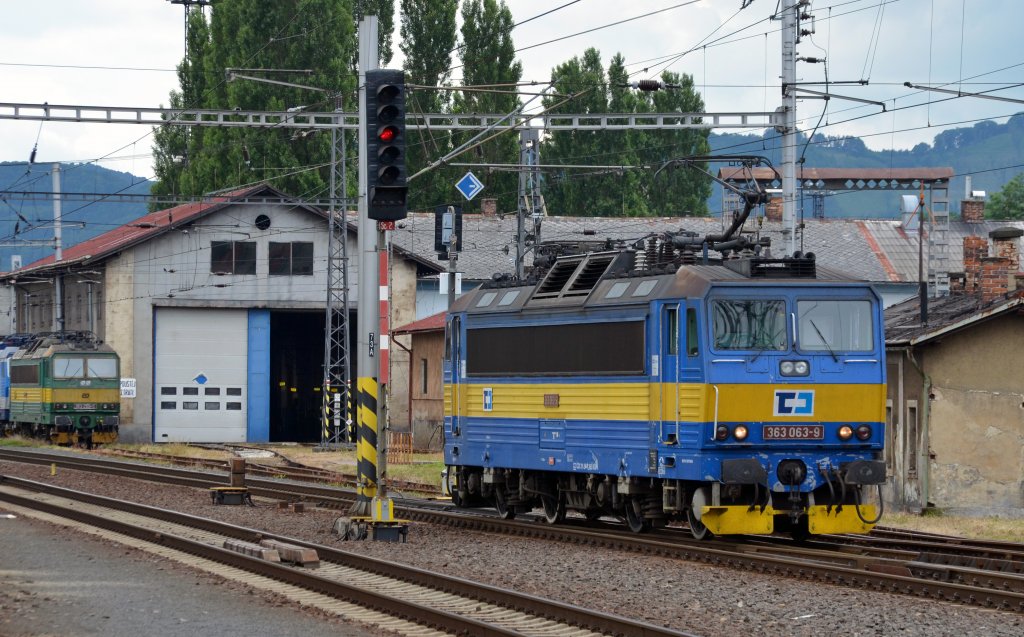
point(489, 208)
point(972, 208)
point(1005, 243)
point(773, 209)
point(975, 248)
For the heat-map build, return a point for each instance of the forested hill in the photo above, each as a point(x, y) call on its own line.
point(22, 220)
point(993, 152)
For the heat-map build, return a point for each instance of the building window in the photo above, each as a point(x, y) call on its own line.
point(234, 406)
point(233, 257)
point(423, 376)
point(190, 391)
point(295, 259)
point(168, 404)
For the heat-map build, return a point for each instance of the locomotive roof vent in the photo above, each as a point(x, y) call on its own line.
point(799, 266)
point(576, 276)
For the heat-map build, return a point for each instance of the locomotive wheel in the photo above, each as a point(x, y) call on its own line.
point(501, 505)
point(554, 509)
point(697, 528)
point(635, 516)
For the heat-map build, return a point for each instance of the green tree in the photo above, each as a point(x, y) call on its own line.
point(385, 12)
point(171, 143)
point(488, 58)
point(428, 40)
point(1008, 203)
point(626, 192)
point(309, 34)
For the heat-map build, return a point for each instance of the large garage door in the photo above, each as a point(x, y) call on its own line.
point(200, 391)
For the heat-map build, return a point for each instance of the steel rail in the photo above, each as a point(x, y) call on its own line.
point(882, 575)
point(393, 606)
point(534, 605)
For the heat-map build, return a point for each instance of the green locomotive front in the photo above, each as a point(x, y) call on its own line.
point(66, 387)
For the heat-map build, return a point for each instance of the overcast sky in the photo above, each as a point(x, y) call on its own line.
point(123, 53)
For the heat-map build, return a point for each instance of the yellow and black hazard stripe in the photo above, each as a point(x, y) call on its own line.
point(366, 446)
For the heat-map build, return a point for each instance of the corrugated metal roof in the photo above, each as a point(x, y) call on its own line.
point(431, 323)
point(903, 320)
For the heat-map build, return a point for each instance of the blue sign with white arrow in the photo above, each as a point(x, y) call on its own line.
point(469, 186)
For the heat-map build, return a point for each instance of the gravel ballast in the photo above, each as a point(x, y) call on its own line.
point(683, 595)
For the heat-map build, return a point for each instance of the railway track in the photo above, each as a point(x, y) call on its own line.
point(400, 598)
point(290, 469)
point(989, 581)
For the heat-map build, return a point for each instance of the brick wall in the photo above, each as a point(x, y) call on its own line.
point(972, 210)
point(975, 249)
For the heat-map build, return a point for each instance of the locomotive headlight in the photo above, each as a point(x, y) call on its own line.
point(722, 432)
point(845, 432)
point(794, 368)
point(740, 432)
point(863, 432)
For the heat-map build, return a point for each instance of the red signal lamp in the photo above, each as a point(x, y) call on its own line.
point(387, 134)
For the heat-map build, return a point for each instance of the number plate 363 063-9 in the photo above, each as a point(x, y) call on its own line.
point(793, 432)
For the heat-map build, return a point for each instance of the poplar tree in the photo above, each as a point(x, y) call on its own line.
point(625, 192)
point(318, 35)
point(488, 54)
point(428, 33)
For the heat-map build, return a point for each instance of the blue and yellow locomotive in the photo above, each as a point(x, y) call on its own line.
point(744, 394)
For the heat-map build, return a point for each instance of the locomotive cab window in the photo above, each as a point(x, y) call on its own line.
point(101, 367)
point(749, 324)
point(66, 367)
point(835, 326)
point(76, 367)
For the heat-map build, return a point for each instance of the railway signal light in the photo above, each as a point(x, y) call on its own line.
point(385, 131)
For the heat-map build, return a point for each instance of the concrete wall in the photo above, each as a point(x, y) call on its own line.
point(403, 311)
point(8, 314)
point(906, 433)
point(976, 419)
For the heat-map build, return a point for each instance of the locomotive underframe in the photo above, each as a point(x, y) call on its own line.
point(645, 503)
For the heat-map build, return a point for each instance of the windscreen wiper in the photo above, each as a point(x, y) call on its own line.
point(824, 342)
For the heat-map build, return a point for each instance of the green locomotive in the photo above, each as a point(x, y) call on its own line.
point(65, 387)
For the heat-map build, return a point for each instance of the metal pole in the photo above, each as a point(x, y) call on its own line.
point(453, 258)
point(789, 33)
point(367, 391)
point(58, 291)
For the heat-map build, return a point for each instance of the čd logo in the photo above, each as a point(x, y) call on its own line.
point(794, 403)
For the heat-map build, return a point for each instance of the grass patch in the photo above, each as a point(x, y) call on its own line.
point(1007, 530)
point(18, 441)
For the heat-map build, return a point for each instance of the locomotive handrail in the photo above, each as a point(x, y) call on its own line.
point(792, 322)
point(860, 360)
point(715, 428)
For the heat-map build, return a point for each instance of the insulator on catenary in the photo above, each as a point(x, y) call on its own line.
point(647, 85)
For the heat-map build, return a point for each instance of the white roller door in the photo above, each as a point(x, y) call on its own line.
point(201, 372)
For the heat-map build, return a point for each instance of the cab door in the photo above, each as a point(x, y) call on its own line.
point(668, 374)
point(692, 390)
point(453, 357)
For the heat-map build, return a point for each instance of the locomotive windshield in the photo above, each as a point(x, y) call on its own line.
point(749, 324)
point(828, 326)
point(78, 367)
